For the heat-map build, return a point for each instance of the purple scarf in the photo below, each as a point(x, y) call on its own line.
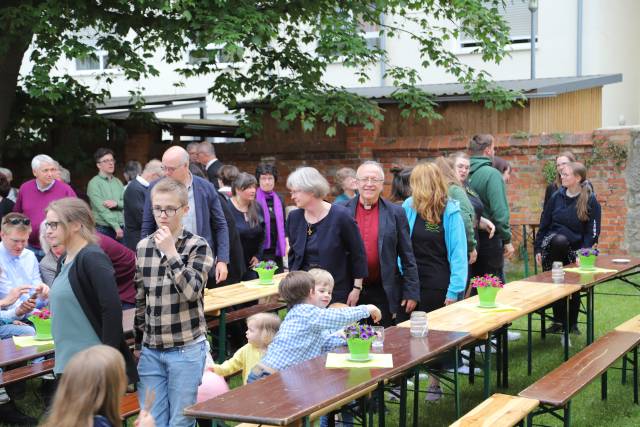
point(261, 198)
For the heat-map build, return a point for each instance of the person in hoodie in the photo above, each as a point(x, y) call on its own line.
point(570, 221)
point(487, 182)
point(439, 244)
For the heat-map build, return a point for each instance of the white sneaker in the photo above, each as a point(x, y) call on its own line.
point(423, 376)
point(562, 340)
point(464, 370)
point(513, 336)
point(4, 397)
point(480, 349)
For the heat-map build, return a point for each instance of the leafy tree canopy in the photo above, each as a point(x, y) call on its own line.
point(283, 48)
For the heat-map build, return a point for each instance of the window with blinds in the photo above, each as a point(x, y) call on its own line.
point(518, 17)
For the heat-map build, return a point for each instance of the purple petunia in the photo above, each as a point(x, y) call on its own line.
point(266, 265)
point(356, 330)
point(588, 252)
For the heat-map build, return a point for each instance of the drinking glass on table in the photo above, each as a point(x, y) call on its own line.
point(378, 337)
point(557, 272)
point(418, 324)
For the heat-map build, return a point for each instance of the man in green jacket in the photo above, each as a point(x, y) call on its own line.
point(485, 180)
point(106, 192)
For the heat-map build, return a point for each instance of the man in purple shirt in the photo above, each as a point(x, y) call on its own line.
point(36, 194)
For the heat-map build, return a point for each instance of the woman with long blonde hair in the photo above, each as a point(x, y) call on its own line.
point(90, 391)
point(439, 244)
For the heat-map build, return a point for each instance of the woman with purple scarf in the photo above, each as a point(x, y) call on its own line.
point(274, 247)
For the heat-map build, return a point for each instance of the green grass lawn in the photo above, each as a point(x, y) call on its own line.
point(587, 408)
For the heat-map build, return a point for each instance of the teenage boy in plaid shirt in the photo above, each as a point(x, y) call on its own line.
point(169, 326)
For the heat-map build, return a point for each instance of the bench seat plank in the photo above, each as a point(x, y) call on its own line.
point(500, 410)
point(26, 372)
point(564, 382)
point(631, 325)
point(129, 405)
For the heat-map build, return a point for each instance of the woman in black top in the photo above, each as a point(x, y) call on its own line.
point(322, 235)
point(570, 221)
point(249, 221)
point(6, 204)
point(272, 205)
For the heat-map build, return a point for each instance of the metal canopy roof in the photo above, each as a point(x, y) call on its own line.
point(536, 88)
point(125, 102)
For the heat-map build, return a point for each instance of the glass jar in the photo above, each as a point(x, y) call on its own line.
point(418, 323)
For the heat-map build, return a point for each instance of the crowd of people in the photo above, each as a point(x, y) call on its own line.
point(186, 222)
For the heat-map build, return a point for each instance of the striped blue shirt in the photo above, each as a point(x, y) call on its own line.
point(303, 333)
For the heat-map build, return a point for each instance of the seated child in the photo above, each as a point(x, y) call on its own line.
point(261, 328)
point(303, 330)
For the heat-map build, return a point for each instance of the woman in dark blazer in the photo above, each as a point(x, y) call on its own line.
point(325, 236)
point(84, 296)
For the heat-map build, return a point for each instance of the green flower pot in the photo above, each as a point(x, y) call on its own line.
point(265, 276)
point(43, 327)
point(359, 348)
point(487, 295)
point(587, 263)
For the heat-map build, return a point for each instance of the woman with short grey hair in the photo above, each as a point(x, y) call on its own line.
point(322, 235)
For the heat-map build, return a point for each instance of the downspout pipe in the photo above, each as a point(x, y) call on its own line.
point(383, 47)
point(579, 38)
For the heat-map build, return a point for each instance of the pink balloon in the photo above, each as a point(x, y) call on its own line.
point(212, 385)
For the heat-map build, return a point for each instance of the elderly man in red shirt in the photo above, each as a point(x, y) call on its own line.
point(385, 233)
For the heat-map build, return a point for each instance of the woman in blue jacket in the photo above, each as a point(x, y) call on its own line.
point(439, 244)
point(570, 221)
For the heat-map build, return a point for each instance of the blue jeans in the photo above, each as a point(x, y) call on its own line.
point(106, 230)
point(174, 375)
point(11, 330)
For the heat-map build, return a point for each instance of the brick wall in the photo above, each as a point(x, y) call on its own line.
point(527, 156)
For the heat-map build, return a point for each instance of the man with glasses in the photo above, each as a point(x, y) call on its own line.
point(385, 232)
point(106, 192)
point(36, 194)
point(205, 216)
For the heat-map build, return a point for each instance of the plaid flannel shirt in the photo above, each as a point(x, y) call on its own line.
point(303, 333)
point(170, 292)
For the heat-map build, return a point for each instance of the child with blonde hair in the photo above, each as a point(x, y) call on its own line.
point(261, 328)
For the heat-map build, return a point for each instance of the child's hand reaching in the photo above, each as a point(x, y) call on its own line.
point(374, 312)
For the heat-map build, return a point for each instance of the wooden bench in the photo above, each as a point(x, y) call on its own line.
point(500, 410)
point(243, 313)
point(129, 405)
point(326, 410)
point(555, 390)
point(26, 372)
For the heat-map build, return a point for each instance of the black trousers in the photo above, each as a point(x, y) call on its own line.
point(375, 294)
point(490, 256)
point(559, 248)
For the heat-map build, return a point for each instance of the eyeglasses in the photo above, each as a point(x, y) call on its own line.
point(52, 225)
point(169, 212)
point(370, 180)
point(17, 221)
point(107, 161)
point(171, 169)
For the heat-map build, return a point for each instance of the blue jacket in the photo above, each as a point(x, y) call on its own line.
point(394, 243)
point(456, 241)
point(210, 221)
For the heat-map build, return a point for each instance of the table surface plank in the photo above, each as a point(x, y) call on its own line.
point(500, 410)
point(239, 293)
point(591, 279)
point(527, 297)
point(560, 385)
point(631, 325)
point(254, 402)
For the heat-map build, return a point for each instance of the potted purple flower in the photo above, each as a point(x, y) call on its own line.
point(487, 287)
point(266, 270)
point(359, 338)
point(41, 320)
point(587, 258)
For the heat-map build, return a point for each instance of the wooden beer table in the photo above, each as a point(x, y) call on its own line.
point(292, 395)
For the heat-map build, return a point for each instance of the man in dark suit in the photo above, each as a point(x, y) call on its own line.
point(385, 233)
point(134, 196)
point(205, 216)
point(207, 158)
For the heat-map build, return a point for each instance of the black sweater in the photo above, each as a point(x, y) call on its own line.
point(561, 217)
point(93, 282)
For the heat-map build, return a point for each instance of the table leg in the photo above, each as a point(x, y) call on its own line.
point(222, 336)
point(416, 397)
point(635, 375)
point(306, 421)
point(529, 343)
point(590, 315)
point(565, 328)
point(472, 363)
point(487, 367)
point(505, 359)
point(403, 402)
point(603, 386)
point(381, 404)
point(525, 252)
point(456, 388)
point(498, 338)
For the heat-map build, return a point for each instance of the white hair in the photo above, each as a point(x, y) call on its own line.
point(375, 164)
point(38, 160)
point(6, 172)
point(310, 180)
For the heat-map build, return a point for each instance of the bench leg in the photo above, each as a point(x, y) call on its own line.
point(635, 375)
point(472, 364)
point(381, 414)
point(567, 415)
point(403, 402)
point(529, 343)
point(222, 336)
point(566, 329)
point(416, 397)
point(505, 359)
point(624, 369)
point(590, 315)
point(456, 389)
point(498, 338)
point(487, 367)
point(603, 385)
point(543, 324)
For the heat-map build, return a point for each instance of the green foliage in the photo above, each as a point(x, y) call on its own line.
point(521, 134)
point(602, 154)
point(549, 171)
point(558, 136)
point(282, 50)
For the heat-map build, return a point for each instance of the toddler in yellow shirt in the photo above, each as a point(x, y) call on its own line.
point(261, 328)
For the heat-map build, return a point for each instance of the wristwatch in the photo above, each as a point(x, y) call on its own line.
point(358, 287)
